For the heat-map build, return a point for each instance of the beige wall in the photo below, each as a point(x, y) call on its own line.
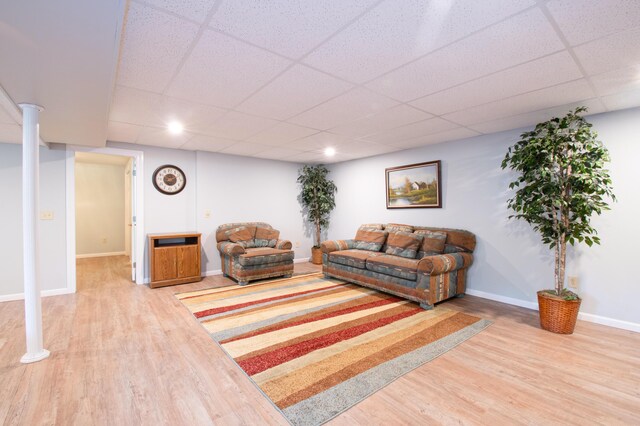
point(100, 208)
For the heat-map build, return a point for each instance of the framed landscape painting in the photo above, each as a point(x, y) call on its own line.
point(414, 186)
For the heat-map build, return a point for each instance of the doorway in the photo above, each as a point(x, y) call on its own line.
point(104, 208)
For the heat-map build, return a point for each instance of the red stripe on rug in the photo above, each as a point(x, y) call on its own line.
point(268, 360)
point(213, 311)
point(386, 301)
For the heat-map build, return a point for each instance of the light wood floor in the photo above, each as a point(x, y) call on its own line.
point(123, 354)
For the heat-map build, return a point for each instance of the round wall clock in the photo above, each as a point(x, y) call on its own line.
point(169, 179)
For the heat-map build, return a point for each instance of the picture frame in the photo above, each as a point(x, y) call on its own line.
point(414, 186)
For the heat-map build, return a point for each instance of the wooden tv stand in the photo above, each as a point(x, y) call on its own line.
point(174, 259)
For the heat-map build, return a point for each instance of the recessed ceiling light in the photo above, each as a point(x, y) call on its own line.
point(175, 127)
point(329, 151)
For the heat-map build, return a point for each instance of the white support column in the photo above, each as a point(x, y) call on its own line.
point(30, 184)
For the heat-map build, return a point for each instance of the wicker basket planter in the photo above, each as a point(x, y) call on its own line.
point(556, 314)
point(316, 255)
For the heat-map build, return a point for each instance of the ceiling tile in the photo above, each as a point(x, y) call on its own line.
point(207, 143)
point(293, 92)
point(150, 57)
point(10, 133)
point(223, 71)
point(132, 105)
point(196, 118)
point(350, 106)
point(584, 20)
point(626, 79)
point(317, 141)
point(358, 149)
point(396, 32)
point(385, 120)
point(161, 137)
point(239, 126)
point(289, 27)
point(522, 38)
point(308, 157)
point(5, 118)
point(244, 148)
point(531, 118)
point(411, 131)
point(540, 99)
point(277, 153)
point(622, 100)
point(548, 71)
point(281, 134)
point(123, 132)
point(196, 10)
point(619, 50)
point(448, 135)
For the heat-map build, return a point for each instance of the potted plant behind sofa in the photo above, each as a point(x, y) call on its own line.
point(317, 195)
point(562, 182)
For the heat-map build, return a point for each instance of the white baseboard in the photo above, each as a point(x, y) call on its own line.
point(611, 322)
point(214, 272)
point(115, 253)
point(43, 293)
point(301, 260)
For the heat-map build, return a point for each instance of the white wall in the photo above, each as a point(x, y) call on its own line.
point(241, 189)
point(100, 203)
point(52, 246)
point(510, 260)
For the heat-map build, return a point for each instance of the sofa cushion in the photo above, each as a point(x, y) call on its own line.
point(403, 244)
point(395, 266)
point(367, 226)
point(242, 235)
point(353, 257)
point(266, 237)
point(398, 227)
point(432, 242)
point(369, 239)
point(264, 255)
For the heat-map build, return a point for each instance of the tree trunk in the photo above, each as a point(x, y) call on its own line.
point(317, 233)
point(561, 262)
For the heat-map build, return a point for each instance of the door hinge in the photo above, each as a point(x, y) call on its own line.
point(134, 264)
point(134, 220)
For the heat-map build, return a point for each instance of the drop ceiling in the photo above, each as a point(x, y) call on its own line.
point(286, 79)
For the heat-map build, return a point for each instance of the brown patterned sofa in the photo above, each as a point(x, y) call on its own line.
point(252, 250)
point(423, 264)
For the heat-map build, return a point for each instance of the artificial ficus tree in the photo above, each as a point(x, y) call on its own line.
point(317, 195)
point(562, 181)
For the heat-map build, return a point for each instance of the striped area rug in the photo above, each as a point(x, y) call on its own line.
point(317, 346)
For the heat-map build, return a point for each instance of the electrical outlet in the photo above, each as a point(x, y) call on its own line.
point(207, 214)
point(104, 240)
point(46, 215)
point(297, 244)
point(573, 282)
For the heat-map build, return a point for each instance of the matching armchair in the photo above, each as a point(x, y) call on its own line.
point(252, 251)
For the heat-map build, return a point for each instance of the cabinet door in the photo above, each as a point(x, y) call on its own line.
point(164, 263)
point(188, 261)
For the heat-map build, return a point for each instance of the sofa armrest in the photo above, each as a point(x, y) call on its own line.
point(283, 245)
point(442, 263)
point(230, 249)
point(335, 245)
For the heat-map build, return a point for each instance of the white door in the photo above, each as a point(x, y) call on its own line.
point(133, 218)
point(127, 209)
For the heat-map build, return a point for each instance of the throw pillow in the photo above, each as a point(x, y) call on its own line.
point(432, 243)
point(403, 244)
point(266, 237)
point(242, 235)
point(369, 239)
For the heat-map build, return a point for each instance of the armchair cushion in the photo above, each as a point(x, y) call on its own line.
point(266, 237)
point(243, 235)
point(432, 242)
point(403, 244)
point(440, 264)
point(264, 255)
point(370, 239)
point(283, 245)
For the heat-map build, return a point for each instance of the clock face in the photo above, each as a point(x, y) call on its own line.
point(169, 179)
